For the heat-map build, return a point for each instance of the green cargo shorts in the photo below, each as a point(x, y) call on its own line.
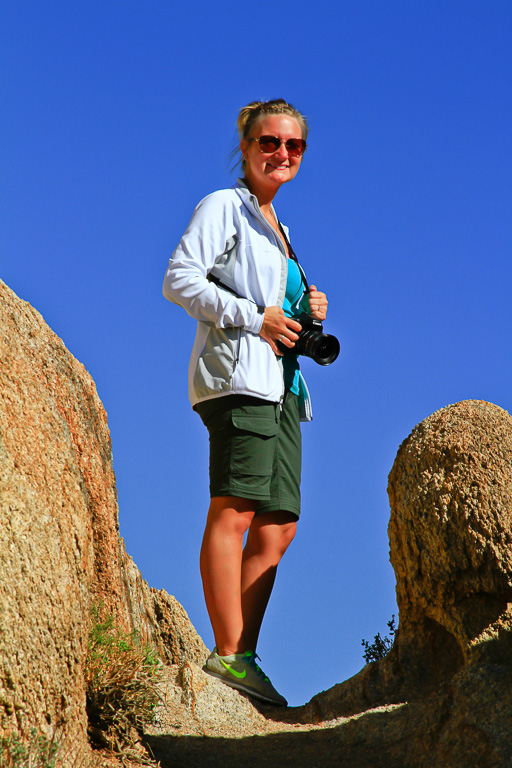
point(255, 450)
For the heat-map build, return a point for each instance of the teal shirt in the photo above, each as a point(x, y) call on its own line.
point(293, 295)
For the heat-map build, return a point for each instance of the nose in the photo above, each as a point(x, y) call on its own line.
point(282, 151)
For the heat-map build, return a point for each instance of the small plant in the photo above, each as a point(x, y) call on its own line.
point(381, 645)
point(121, 676)
point(32, 751)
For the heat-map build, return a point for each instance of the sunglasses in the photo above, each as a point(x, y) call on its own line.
point(270, 144)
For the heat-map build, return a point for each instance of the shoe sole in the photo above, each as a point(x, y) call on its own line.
point(240, 687)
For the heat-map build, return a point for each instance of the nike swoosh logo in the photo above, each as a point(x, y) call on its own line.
point(240, 675)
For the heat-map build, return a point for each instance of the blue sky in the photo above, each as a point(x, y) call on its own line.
point(118, 117)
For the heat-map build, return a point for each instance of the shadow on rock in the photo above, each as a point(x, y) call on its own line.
point(337, 746)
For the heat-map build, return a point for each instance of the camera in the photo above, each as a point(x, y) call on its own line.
point(312, 342)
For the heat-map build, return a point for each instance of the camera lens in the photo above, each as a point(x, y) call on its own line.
point(312, 342)
point(322, 347)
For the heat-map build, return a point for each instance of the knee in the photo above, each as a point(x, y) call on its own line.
point(287, 535)
point(230, 516)
point(280, 543)
point(271, 542)
point(283, 532)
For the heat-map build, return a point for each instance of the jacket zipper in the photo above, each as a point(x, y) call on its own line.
point(281, 247)
point(283, 251)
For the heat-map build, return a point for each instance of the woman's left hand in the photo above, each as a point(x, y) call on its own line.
point(317, 303)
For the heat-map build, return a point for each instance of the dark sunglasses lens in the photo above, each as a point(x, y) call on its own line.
point(295, 147)
point(269, 143)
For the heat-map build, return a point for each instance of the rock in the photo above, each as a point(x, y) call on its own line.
point(60, 549)
point(56, 482)
point(160, 619)
point(450, 533)
point(441, 697)
point(196, 704)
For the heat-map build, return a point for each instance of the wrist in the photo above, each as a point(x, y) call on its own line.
point(257, 320)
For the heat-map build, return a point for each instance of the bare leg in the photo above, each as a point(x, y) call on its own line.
point(268, 539)
point(221, 564)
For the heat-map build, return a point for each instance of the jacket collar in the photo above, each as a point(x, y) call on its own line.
point(247, 197)
point(245, 194)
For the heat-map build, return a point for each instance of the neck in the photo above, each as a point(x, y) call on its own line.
point(264, 196)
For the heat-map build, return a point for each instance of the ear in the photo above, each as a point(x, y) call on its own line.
point(244, 146)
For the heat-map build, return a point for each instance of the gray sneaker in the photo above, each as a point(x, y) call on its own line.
point(241, 671)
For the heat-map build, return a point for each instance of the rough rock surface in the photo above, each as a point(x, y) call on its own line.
point(60, 549)
point(450, 533)
point(440, 698)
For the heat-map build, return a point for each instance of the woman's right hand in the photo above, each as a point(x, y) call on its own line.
point(277, 327)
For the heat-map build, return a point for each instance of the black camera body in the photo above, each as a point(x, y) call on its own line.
point(313, 342)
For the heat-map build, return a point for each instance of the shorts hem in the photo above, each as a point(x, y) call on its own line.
point(273, 506)
point(241, 493)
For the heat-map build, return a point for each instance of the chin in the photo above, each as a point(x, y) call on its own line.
point(284, 174)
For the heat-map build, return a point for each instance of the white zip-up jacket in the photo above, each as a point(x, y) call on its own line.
point(229, 238)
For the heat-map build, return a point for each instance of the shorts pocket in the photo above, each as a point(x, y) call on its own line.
point(266, 426)
point(253, 445)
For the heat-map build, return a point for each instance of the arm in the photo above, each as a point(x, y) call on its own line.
point(186, 283)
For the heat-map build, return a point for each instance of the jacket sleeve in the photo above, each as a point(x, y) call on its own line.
point(186, 283)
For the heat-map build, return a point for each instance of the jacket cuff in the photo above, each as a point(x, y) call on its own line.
point(256, 320)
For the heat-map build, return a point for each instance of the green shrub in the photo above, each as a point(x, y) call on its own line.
point(381, 645)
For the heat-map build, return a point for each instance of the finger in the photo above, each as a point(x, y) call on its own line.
point(293, 325)
point(319, 312)
point(318, 303)
point(286, 341)
point(315, 294)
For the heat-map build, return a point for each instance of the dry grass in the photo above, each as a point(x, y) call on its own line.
point(121, 675)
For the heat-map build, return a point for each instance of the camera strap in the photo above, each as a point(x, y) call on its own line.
point(294, 257)
point(217, 281)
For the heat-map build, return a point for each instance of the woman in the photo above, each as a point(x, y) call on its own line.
point(234, 272)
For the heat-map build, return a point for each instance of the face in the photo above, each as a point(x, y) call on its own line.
point(266, 172)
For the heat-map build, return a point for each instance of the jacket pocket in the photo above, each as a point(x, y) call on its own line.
point(217, 362)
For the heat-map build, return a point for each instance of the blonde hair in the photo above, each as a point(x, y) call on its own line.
point(249, 115)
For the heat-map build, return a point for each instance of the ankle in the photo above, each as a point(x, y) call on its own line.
point(227, 651)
